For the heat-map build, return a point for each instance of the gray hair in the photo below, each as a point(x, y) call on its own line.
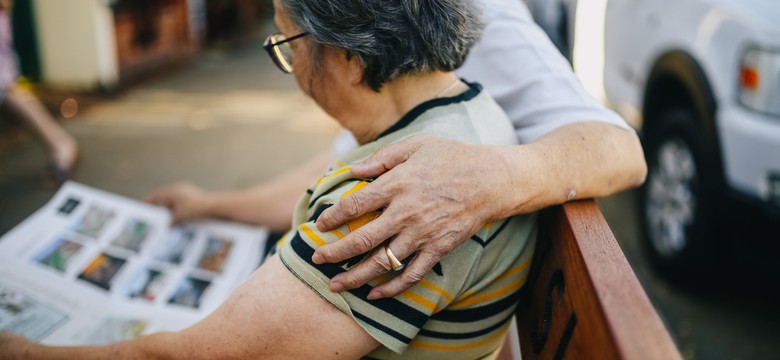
point(392, 37)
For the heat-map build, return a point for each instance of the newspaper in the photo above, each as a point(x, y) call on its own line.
point(91, 267)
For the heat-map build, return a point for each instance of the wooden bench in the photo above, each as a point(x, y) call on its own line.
point(582, 299)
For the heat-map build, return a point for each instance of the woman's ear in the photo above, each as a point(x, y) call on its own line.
point(355, 68)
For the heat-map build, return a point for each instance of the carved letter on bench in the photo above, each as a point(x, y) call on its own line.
point(538, 341)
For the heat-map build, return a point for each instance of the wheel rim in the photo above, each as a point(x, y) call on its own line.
point(671, 200)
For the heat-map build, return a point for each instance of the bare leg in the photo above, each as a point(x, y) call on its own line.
point(63, 149)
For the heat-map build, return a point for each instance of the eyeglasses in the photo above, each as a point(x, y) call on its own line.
point(280, 51)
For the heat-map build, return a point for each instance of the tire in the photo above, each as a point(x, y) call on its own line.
point(679, 200)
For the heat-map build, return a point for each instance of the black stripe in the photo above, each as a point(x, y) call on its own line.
point(477, 313)
point(398, 336)
point(400, 310)
point(309, 191)
point(484, 242)
point(334, 187)
point(506, 222)
point(408, 118)
point(469, 335)
point(319, 211)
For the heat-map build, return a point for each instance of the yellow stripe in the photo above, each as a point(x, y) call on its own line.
point(338, 234)
point(317, 240)
point(339, 171)
point(357, 187)
point(503, 276)
point(419, 299)
point(381, 279)
point(493, 294)
point(430, 286)
point(487, 340)
point(513, 270)
point(281, 241)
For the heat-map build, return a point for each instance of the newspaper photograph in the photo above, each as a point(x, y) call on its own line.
point(92, 267)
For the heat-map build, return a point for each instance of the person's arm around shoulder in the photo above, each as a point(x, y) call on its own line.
point(432, 205)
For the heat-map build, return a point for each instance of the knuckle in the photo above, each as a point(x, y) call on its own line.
point(361, 243)
point(352, 205)
point(380, 264)
point(328, 253)
point(350, 281)
point(412, 276)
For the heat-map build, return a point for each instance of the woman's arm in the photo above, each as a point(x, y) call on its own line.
point(271, 316)
point(269, 204)
point(436, 193)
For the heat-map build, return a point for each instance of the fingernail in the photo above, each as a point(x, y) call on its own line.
point(336, 286)
point(373, 295)
point(317, 259)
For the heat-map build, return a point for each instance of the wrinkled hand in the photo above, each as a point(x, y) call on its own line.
point(435, 193)
point(185, 200)
point(13, 346)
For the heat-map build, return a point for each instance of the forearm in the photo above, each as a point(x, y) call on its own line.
point(578, 161)
point(272, 203)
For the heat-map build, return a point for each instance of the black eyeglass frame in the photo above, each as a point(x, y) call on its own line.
point(274, 52)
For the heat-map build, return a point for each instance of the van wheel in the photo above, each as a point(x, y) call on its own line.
point(678, 201)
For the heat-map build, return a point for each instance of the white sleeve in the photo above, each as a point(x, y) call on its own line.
point(519, 66)
point(343, 143)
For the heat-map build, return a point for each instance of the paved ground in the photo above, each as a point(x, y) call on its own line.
point(230, 119)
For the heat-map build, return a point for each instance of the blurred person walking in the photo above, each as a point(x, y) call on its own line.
point(63, 148)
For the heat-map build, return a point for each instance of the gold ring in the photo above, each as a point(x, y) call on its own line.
point(394, 263)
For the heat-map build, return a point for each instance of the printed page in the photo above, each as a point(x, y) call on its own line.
point(92, 267)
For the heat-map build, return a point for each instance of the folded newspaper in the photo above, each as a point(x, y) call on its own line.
point(91, 267)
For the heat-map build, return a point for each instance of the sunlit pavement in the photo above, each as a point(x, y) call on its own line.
point(230, 119)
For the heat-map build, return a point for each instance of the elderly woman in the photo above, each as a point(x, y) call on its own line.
point(383, 70)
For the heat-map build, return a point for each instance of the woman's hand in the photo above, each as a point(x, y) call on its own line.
point(440, 192)
point(435, 198)
point(185, 201)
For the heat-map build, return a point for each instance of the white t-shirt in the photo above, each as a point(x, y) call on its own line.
point(525, 73)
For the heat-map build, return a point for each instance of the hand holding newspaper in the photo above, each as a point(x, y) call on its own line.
point(91, 267)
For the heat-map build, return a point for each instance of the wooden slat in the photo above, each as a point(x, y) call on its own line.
point(583, 300)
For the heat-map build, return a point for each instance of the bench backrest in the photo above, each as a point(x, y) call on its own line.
point(583, 300)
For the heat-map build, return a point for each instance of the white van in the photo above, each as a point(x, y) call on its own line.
point(700, 81)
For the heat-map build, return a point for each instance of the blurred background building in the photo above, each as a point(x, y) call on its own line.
point(102, 45)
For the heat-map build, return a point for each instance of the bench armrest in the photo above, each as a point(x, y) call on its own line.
point(582, 299)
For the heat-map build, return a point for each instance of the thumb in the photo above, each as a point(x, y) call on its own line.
point(386, 158)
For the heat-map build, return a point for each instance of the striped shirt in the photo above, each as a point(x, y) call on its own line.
point(462, 308)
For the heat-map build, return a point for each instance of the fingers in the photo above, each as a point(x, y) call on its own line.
point(184, 200)
point(374, 265)
point(387, 158)
point(357, 242)
point(370, 198)
point(413, 272)
point(162, 196)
